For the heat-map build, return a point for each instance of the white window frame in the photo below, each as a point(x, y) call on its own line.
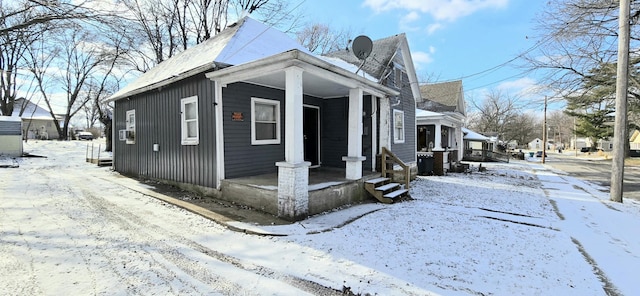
point(131, 126)
point(274, 103)
point(398, 137)
point(184, 122)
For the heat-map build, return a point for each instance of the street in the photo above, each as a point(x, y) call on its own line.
point(595, 170)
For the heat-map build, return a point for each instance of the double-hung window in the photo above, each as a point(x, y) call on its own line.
point(398, 126)
point(189, 121)
point(265, 121)
point(130, 131)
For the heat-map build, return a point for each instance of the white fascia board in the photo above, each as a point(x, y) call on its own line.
point(308, 63)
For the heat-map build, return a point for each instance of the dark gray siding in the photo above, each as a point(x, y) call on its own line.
point(334, 138)
point(366, 133)
point(158, 122)
point(407, 150)
point(10, 128)
point(242, 158)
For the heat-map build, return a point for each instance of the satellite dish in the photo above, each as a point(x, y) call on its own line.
point(362, 46)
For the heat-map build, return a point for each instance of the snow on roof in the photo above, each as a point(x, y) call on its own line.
point(245, 41)
point(10, 118)
point(473, 136)
point(425, 113)
point(31, 110)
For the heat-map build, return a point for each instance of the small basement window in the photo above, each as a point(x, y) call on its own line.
point(265, 121)
point(190, 133)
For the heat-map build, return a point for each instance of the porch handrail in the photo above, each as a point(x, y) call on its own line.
point(386, 153)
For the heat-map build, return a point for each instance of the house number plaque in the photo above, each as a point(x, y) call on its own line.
point(237, 116)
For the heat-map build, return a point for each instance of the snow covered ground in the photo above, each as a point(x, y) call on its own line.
point(519, 229)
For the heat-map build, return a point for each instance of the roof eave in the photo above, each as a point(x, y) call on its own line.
point(163, 83)
point(303, 60)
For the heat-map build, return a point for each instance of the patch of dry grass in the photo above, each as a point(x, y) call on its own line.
point(632, 161)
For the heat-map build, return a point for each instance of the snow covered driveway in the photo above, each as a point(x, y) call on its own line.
point(519, 229)
point(66, 230)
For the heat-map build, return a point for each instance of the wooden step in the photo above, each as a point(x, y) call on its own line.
point(377, 180)
point(388, 187)
point(395, 194)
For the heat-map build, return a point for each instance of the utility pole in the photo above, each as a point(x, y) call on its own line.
point(544, 132)
point(622, 81)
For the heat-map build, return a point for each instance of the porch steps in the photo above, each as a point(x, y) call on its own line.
point(383, 190)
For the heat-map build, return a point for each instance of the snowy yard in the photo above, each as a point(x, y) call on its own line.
point(519, 229)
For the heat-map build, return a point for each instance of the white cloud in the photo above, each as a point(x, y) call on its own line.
point(520, 84)
point(421, 58)
point(441, 10)
point(407, 20)
point(433, 27)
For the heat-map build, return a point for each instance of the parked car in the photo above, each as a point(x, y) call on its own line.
point(539, 154)
point(585, 149)
point(85, 136)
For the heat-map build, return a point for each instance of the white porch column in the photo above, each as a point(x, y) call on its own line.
point(437, 146)
point(293, 172)
point(354, 156)
point(385, 125)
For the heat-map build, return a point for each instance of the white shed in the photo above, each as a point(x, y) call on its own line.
point(10, 136)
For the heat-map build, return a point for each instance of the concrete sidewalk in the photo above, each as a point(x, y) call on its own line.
point(606, 233)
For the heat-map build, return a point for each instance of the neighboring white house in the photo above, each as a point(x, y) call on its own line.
point(536, 144)
point(37, 123)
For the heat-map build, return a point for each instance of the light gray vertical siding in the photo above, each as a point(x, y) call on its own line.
point(158, 122)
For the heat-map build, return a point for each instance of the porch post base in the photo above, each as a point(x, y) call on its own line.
point(293, 190)
point(354, 167)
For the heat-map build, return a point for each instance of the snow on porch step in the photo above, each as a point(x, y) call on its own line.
point(387, 187)
point(396, 193)
point(377, 180)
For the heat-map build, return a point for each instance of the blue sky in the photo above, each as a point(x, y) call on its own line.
point(449, 39)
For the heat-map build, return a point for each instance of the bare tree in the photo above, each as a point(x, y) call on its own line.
point(578, 36)
point(22, 23)
point(40, 12)
point(321, 39)
point(66, 63)
point(496, 113)
point(167, 27)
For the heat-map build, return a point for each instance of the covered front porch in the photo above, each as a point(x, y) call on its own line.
point(290, 193)
point(327, 189)
point(439, 135)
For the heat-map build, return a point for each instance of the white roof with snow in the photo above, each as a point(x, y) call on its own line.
point(245, 41)
point(31, 111)
point(473, 136)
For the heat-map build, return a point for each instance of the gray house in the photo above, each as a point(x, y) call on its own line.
point(251, 107)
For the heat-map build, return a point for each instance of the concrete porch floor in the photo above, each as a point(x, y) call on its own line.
point(319, 178)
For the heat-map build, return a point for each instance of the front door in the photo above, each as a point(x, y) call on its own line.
point(311, 130)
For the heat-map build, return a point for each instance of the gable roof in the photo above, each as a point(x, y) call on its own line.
point(31, 110)
point(443, 97)
point(379, 63)
point(245, 41)
point(473, 136)
point(382, 53)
